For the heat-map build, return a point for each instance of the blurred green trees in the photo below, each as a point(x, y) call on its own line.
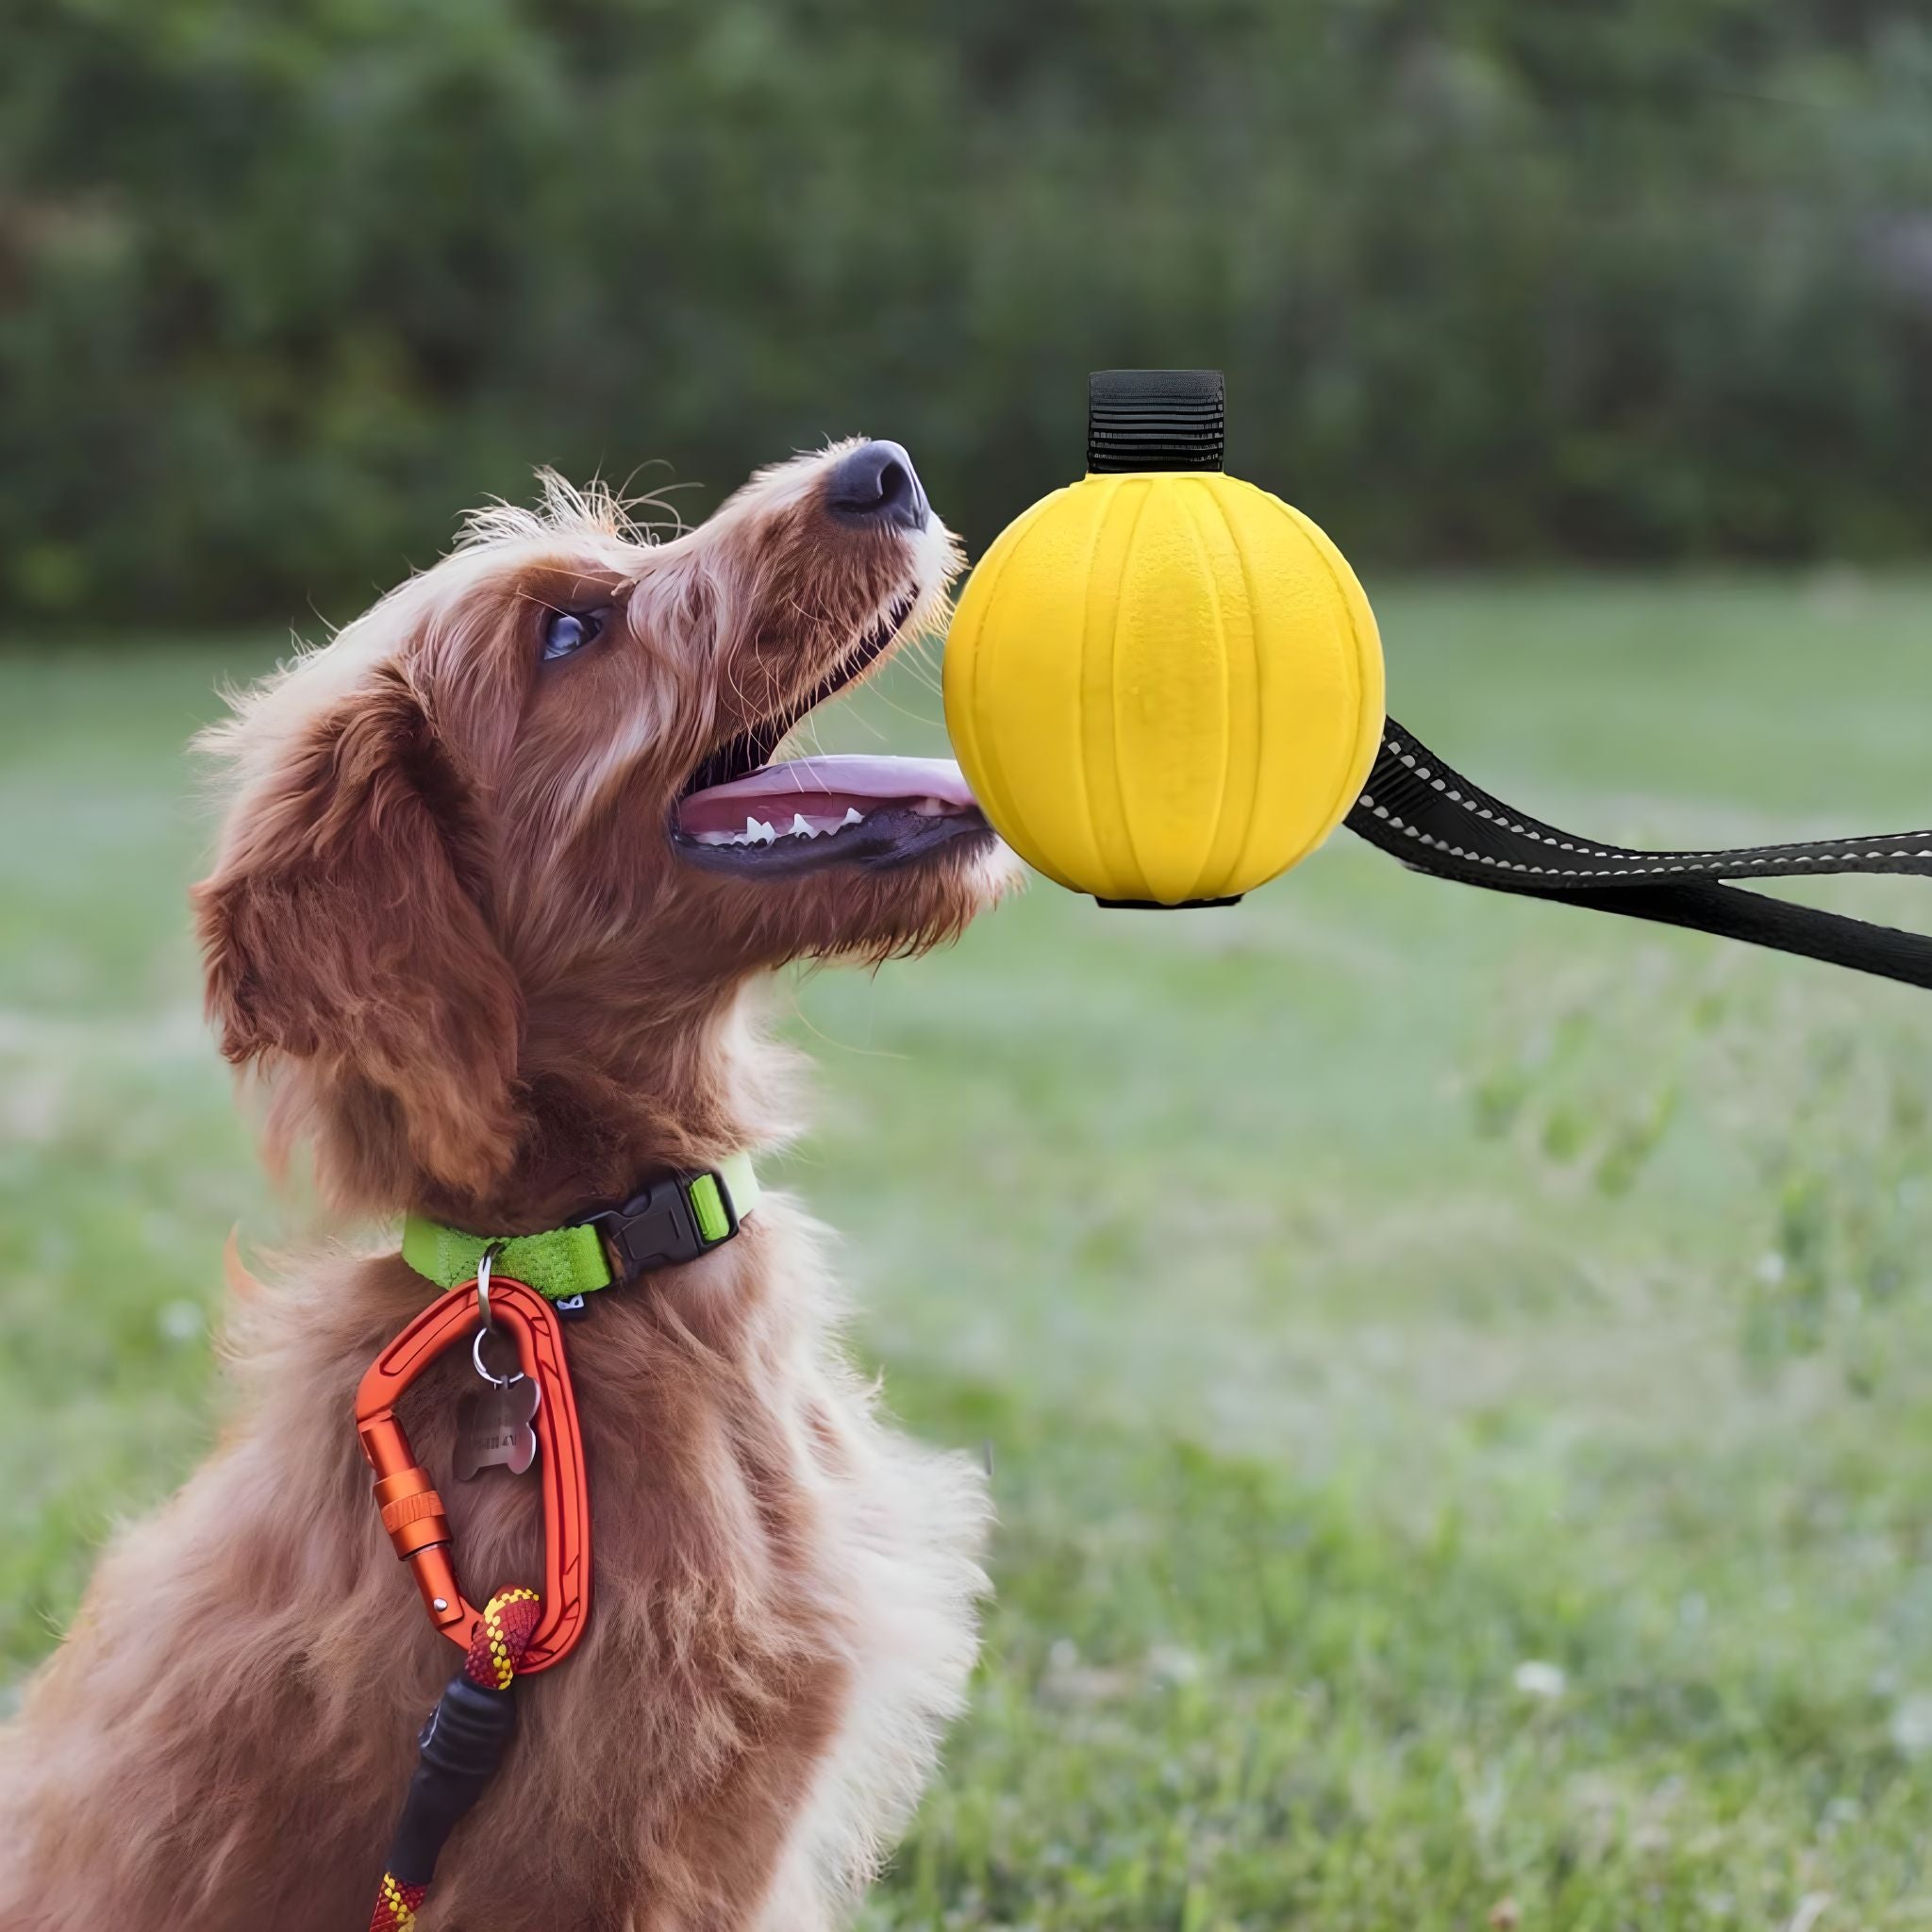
point(282, 287)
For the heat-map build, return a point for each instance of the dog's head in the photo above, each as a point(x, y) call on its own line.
point(499, 857)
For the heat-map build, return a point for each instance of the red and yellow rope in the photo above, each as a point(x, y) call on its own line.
point(395, 1904)
point(502, 1636)
point(497, 1645)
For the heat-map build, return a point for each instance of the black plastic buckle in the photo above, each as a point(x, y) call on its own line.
point(658, 1227)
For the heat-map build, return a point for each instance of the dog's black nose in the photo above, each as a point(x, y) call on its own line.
point(877, 482)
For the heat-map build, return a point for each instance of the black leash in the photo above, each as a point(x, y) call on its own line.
point(1434, 821)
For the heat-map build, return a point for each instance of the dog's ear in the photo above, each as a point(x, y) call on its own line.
point(343, 931)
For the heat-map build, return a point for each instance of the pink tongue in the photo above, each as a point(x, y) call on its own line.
point(830, 784)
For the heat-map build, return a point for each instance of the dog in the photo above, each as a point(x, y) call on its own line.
point(503, 869)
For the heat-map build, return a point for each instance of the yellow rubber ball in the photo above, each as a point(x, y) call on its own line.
point(1164, 687)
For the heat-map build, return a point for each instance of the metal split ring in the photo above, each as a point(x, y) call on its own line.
point(477, 1357)
point(488, 1326)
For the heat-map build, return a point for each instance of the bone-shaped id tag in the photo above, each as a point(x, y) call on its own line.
point(494, 1426)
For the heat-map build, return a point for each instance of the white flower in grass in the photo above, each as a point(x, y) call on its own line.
point(1170, 1663)
point(1911, 1726)
point(180, 1321)
point(1536, 1678)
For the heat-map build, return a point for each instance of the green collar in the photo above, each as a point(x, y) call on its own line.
point(674, 1220)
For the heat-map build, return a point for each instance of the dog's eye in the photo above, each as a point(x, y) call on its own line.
point(570, 630)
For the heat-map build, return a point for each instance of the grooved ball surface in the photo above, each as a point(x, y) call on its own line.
point(1163, 686)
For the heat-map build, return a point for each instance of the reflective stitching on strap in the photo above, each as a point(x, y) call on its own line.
point(1415, 807)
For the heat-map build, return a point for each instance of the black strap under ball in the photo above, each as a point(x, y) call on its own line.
point(1434, 821)
point(1155, 419)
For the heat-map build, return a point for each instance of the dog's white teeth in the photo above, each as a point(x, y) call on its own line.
point(819, 824)
point(756, 833)
point(761, 832)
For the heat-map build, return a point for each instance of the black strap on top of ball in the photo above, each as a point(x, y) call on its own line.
point(1434, 821)
point(1155, 419)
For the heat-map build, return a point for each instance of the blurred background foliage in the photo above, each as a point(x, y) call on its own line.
point(282, 288)
point(1456, 1373)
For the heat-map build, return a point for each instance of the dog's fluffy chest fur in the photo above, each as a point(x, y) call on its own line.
point(781, 1625)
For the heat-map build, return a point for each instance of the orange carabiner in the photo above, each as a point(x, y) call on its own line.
point(411, 1510)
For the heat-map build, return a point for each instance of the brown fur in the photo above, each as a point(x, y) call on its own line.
point(446, 925)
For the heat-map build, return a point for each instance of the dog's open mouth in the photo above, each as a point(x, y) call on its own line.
point(738, 813)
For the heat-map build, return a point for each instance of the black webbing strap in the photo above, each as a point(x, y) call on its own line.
point(1434, 821)
point(1155, 419)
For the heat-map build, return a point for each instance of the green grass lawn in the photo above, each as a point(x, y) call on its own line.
point(1459, 1372)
